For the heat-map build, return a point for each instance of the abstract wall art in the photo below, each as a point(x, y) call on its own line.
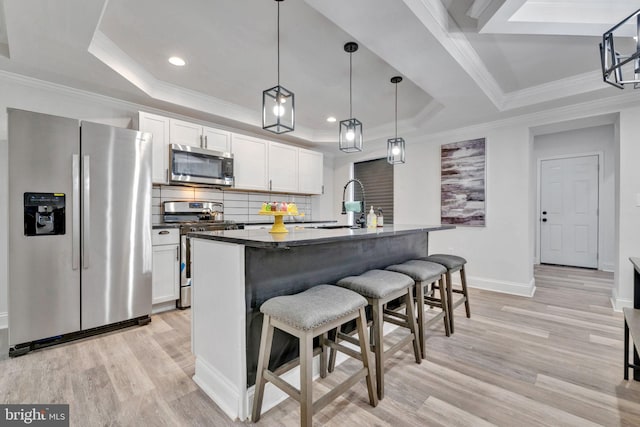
point(463, 177)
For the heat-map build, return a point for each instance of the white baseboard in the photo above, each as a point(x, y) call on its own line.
point(608, 267)
point(619, 303)
point(4, 320)
point(163, 306)
point(513, 288)
point(219, 389)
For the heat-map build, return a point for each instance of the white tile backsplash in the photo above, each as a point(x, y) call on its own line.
point(238, 206)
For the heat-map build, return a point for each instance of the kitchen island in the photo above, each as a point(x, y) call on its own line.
point(235, 271)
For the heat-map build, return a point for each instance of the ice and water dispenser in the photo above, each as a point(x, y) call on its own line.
point(44, 214)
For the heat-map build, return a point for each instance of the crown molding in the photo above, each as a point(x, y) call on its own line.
point(435, 18)
point(598, 107)
point(562, 88)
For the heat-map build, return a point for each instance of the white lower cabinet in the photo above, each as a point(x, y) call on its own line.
point(166, 265)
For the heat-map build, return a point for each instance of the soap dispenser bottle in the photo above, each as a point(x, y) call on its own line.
point(371, 219)
point(380, 218)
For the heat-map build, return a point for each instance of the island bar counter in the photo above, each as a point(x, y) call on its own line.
point(235, 271)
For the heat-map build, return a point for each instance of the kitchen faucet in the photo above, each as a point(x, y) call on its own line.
point(362, 221)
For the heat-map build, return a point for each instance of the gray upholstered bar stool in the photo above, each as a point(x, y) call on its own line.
point(379, 287)
point(453, 263)
point(425, 273)
point(307, 315)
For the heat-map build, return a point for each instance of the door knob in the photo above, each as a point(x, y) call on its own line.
point(544, 219)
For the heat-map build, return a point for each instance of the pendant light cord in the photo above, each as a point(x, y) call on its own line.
point(350, 72)
point(278, 43)
point(396, 110)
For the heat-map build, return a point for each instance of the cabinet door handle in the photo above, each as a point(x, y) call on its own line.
point(166, 175)
point(201, 142)
point(164, 232)
point(206, 141)
point(270, 185)
point(178, 253)
point(322, 189)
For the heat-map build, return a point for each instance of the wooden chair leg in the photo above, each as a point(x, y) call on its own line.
point(332, 353)
point(264, 354)
point(306, 379)
point(363, 340)
point(413, 326)
point(420, 307)
point(449, 286)
point(463, 279)
point(444, 301)
point(378, 346)
point(323, 355)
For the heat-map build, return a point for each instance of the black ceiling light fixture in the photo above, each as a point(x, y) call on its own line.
point(395, 146)
point(350, 133)
point(278, 103)
point(621, 68)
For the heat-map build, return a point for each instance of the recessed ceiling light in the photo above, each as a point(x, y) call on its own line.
point(331, 119)
point(177, 61)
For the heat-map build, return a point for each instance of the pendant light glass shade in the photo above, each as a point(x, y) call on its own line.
point(395, 146)
point(395, 150)
point(350, 135)
point(278, 103)
point(350, 131)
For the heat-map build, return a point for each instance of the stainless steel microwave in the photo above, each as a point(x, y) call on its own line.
point(198, 166)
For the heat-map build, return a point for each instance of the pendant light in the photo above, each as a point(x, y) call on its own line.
point(278, 103)
point(350, 133)
point(395, 146)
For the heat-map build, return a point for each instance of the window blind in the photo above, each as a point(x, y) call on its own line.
point(377, 178)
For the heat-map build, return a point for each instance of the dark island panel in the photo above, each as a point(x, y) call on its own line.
point(270, 273)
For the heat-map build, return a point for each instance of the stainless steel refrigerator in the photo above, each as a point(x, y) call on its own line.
point(79, 227)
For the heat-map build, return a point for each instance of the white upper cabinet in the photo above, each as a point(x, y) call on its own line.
point(259, 165)
point(310, 172)
point(216, 139)
point(283, 168)
point(158, 126)
point(185, 133)
point(195, 135)
point(250, 159)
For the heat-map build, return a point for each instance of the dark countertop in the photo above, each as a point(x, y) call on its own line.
point(165, 225)
point(286, 222)
point(310, 236)
point(176, 225)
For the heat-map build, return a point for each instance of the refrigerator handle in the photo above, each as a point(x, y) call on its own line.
point(86, 211)
point(75, 215)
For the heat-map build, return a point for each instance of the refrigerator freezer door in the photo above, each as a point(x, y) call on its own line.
point(116, 280)
point(44, 288)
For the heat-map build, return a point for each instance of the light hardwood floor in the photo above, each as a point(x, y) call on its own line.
point(551, 360)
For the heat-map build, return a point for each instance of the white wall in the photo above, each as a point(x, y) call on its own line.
point(34, 95)
point(589, 141)
point(4, 254)
point(628, 210)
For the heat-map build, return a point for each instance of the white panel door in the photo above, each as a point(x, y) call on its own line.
point(186, 133)
point(283, 168)
point(250, 163)
point(216, 139)
point(569, 211)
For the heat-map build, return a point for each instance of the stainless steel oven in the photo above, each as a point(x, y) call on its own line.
point(198, 166)
point(193, 216)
